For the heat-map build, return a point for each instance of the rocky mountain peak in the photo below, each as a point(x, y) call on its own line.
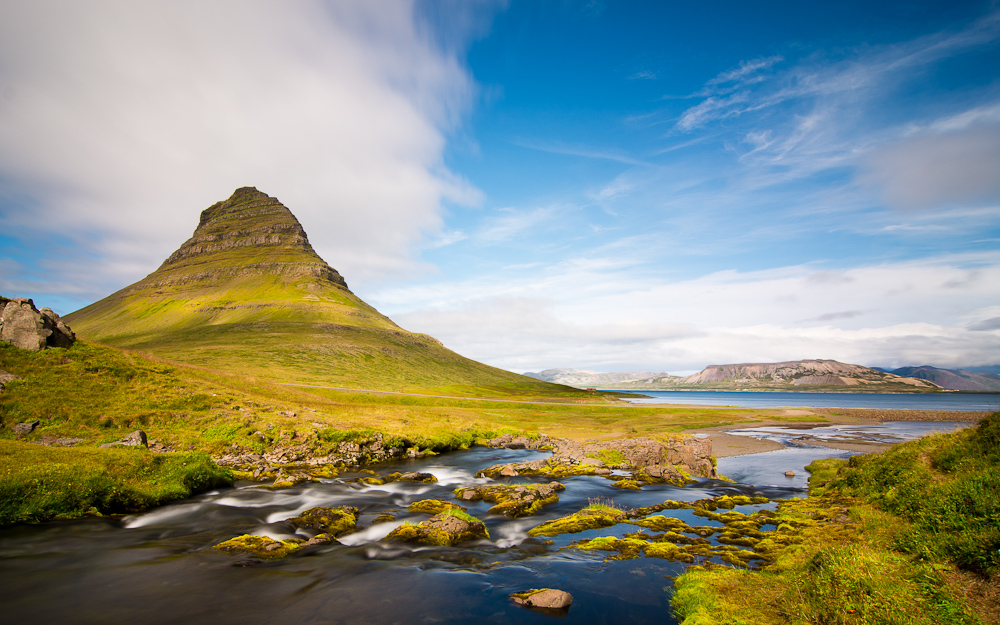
point(248, 233)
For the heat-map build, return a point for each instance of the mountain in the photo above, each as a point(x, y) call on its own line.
point(955, 379)
point(584, 378)
point(798, 375)
point(247, 293)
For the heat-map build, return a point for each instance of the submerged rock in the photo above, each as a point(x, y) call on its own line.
point(545, 598)
point(446, 529)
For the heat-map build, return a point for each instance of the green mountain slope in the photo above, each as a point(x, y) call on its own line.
point(247, 293)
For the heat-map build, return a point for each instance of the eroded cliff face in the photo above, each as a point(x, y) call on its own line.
point(250, 226)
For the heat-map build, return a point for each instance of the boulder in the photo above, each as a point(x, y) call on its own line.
point(135, 439)
point(545, 598)
point(446, 529)
point(333, 521)
point(22, 325)
point(23, 429)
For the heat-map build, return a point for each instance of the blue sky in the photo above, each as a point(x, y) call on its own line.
point(603, 185)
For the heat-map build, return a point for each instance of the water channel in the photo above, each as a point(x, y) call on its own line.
point(159, 567)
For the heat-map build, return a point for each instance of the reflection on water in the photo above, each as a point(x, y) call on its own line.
point(158, 567)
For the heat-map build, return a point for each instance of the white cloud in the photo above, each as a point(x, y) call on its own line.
point(607, 314)
point(122, 121)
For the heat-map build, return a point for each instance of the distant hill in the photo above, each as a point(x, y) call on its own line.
point(955, 379)
point(798, 375)
point(583, 378)
point(248, 294)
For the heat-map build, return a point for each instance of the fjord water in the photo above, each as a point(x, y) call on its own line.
point(984, 402)
point(159, 567)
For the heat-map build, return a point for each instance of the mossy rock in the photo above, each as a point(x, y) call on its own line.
point(334, 521)
point(385, 517)
point(433, 506)
point(259, 546)
point(590, 518)
point(513, 500)
point(629, 484)
point(451, 527)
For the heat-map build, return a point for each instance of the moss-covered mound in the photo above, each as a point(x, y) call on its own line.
point(259, 546)
point(592, 517)
point(334, 521)
point(448, 528)
point(433, 506)
point(513, 500)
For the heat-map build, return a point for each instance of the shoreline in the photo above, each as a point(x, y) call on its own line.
point(726, 445)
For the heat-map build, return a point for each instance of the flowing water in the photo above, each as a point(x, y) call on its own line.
point(158, 567)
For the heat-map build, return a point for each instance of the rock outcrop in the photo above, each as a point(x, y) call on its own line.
point(649, 459)
point(135, 439)
point(22, 325)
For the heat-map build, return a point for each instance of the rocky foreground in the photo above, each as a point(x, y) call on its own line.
point(630, 462)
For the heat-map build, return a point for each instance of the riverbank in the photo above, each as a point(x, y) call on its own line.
point(918, 543)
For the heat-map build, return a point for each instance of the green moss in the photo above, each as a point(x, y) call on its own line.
point(594, 517)
point(334, 521)
point(259, 546)
point(433, 506)
point(609, 457)
point(42, 483)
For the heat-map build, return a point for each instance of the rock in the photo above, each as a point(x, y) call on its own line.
point(334, 521)
point(6, 378)
point(24, 326)
point(259, 546)
point(789, 473)
point(135, 439)
point(23, 429)
point(545, 598)
point(433, 506)
point(508, 471)
point(513, 501)
point(446, 529)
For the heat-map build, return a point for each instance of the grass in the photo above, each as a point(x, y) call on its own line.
point(920, 514)
point(43, 483)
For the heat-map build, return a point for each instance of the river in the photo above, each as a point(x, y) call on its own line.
point(159, 567)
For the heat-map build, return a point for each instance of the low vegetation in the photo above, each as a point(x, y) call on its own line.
point(919, 544)
point(43, 483)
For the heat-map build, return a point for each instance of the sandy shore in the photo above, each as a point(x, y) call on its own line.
point(727, 445)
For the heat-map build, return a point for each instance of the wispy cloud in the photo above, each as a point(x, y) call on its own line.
point(607, 154)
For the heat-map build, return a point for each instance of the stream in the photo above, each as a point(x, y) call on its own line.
point(159, 567)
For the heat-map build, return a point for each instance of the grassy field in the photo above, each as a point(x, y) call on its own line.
point(921, 544)
point(100, 394)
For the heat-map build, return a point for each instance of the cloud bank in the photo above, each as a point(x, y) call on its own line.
point(123, 120)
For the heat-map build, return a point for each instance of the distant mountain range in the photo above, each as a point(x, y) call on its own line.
point(798, 375)
point(955, 379)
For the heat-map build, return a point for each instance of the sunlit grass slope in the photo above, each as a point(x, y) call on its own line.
point(248, 294)
point(920, 543)
point(99, 394)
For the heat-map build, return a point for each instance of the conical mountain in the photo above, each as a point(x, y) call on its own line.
point(247, 293)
